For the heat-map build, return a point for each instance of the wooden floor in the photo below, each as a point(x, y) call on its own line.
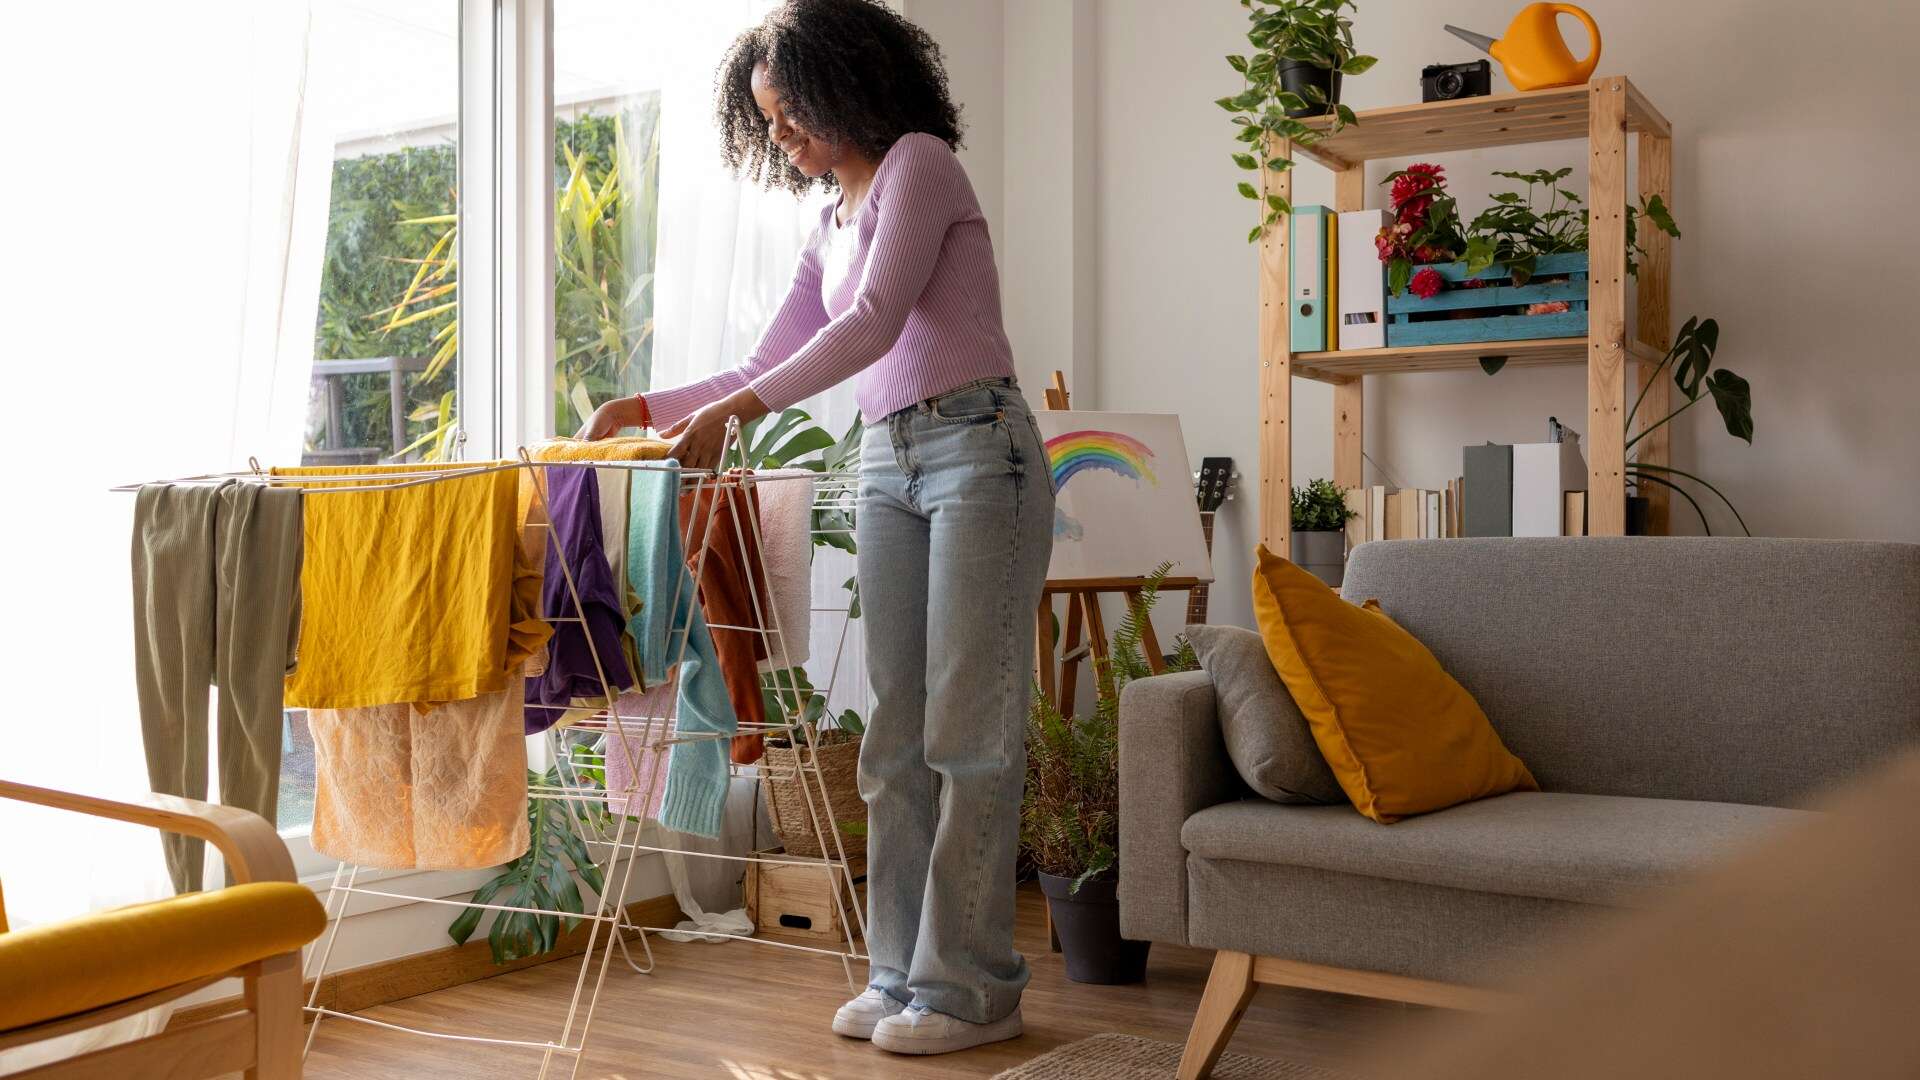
point(749, 1012)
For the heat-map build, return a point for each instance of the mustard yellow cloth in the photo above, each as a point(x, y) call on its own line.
point(1402, 736)
point(56, 970)
point(422, 594)
point(620, 448)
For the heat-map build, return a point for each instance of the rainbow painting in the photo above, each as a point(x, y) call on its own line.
point(1076, 452)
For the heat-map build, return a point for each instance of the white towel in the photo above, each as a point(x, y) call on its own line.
point(786, 550)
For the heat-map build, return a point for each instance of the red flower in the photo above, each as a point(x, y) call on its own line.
point(1426, 284)
point(1417, 179)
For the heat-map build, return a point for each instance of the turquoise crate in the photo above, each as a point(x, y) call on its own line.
point(1494, 304)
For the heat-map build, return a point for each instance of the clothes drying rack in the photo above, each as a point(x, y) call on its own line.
point(636, 738)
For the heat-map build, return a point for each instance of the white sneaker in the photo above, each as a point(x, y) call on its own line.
point(923, 1031)
point(856, 1019)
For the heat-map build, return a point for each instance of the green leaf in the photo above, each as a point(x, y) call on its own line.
point(1249, 99)
point(1253, 236)
point(1662, 218)
point(1480, 252)
point(1345, 114)
point(1492, 364)
point(1245, 161)
point(1277, 203)
point(1279, 164)
point(1237, 63)
point(1248, 191)
point(1226, 103)
point(1399, 272)
point(1250, 133)
point(1358, 65)
point(1734, 398)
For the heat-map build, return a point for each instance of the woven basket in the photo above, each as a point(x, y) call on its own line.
point(839, 761)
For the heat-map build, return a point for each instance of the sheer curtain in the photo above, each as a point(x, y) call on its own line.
point(162, 274)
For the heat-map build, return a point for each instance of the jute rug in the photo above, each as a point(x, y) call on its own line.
point(1128, 1057)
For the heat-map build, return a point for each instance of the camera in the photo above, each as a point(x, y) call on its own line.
point(1444, 82)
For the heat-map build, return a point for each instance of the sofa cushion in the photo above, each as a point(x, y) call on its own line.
point(1596, 849)
point(1401, 735)
point(1268, 739)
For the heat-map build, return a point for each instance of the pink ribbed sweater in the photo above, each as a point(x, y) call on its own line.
point(905, 296)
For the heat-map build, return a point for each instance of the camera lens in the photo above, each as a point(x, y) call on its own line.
point(1448, 84)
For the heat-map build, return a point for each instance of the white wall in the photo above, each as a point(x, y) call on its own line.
point(1795, 163)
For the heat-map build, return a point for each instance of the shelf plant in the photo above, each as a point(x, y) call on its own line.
point(1318, 541)
point(1288, 37)
point(1691, 361)
point(1069, 812)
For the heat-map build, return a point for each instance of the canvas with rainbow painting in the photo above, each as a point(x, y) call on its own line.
point(1126, 499)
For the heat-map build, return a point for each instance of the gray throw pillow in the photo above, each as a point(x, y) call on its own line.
point(1266, 735)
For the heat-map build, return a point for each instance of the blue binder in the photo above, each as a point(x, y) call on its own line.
point(1307, 277)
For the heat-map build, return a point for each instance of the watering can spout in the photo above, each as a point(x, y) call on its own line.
point(1478, 41)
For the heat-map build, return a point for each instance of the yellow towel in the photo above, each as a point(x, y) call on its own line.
point(420, 594)
point(620, 448)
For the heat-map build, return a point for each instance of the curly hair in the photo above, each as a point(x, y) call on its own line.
point(851, 72)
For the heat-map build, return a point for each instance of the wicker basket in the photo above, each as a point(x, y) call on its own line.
point(839, 761)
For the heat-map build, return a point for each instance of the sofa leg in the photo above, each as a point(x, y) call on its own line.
point(272, 994)
point(1229, 988)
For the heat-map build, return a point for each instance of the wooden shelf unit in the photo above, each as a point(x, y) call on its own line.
point(1604, 112)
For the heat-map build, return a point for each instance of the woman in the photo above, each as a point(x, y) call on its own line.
point(897, 289)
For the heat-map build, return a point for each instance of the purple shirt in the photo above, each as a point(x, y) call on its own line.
point(573, 501)
point(905, 295)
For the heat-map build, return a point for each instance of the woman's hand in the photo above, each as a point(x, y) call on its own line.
point(608, 420)
point(699, 438)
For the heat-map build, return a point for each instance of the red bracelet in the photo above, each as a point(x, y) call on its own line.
point(646, 412)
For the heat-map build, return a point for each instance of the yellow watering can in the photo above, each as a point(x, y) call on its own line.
point(1532, 53)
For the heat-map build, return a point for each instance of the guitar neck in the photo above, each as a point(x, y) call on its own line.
point(1197, 596)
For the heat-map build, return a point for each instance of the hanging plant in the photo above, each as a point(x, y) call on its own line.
point(1287, 34)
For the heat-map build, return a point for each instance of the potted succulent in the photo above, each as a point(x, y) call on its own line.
point(1301, 49)
point(1319, 539)
point(1069, 813)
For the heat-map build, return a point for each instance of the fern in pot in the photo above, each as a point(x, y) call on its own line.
point(1070, 811)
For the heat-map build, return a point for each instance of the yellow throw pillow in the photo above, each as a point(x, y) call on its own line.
point(1401, 735)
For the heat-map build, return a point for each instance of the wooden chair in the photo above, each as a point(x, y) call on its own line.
point(253, 930)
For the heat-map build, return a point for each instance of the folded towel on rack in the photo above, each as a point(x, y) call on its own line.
point(670, 629)
point(786, 552)
point(400, 789)
point(416, 594)
point(586, 661)
point(618, 448)
point(718, 518)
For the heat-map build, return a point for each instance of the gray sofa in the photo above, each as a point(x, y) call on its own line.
point(1675, 697)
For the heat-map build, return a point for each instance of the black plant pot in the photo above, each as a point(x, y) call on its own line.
point(1088, 925)
point(1638, 508)
point(1297, 76)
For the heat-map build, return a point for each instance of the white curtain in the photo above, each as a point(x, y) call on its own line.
point(162, 278)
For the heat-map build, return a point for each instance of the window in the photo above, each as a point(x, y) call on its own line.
point(606, 146)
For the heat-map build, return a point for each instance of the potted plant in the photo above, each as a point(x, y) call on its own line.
point(1069, 813)
point(1691, 358)
point(1319, 539)
point(1301, 49)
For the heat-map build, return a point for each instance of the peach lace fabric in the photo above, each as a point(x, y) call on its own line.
point(403, 789)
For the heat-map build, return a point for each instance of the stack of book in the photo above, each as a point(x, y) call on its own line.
point(1339, 283)
point(1380, 513)
point(1526, 489)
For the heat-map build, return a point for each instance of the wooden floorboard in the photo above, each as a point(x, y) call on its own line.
point(747, 1012)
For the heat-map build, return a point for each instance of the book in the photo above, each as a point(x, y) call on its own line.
point(1333, 281)
point(1377, 512)
point(1404, 508)
point(1307, 277)
point(1488, 510)
point(1542, 474)
point(1573, 513)
point(1433, 515)
point(1357, 524)
point(1362, 299)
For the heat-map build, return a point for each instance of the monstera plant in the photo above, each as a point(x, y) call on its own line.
point(1691, 362)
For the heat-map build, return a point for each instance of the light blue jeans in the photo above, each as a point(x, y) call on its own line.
point(955, 530)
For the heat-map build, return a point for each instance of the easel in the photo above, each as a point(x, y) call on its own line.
point(1060, 682)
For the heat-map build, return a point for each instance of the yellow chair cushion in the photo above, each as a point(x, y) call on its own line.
point(1401, 735)
point(62, 968)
